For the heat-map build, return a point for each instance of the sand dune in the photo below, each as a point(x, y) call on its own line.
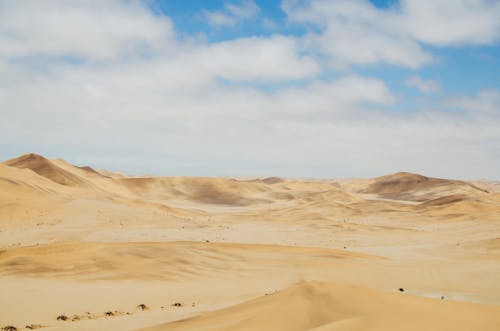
point(82, 172)
point(13, 180)
point(316, 306)
point(155, 261)
point(412, 187)
point(330, 254)
point(203, 190)
point(449, 199)
point(45, 168)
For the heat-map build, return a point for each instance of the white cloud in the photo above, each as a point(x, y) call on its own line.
point(243, 9)
point(219, 18)
point(119, 34)
point(451, 22)
point(343, 97)
point(357, 32)
point(273, 58)
point(161, 113)
point(109, 112)
point(233, 13)
point(354, 32)
point(92, 29)
point(425, 86)
point(355, 44)
point(487, 101)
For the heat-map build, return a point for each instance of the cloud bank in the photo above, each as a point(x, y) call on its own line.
point(113, 84)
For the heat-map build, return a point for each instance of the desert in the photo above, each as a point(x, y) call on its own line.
point(250, 165)
point(89, 249)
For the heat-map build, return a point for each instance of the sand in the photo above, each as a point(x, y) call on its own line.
point(397, 252)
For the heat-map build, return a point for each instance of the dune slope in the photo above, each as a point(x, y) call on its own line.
point(45, 168)
point(315, 306)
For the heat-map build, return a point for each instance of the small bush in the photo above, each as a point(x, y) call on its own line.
point(142, 306)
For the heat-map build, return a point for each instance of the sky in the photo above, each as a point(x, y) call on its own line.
point(295, 88)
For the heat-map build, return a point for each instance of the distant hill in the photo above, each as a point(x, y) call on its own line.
point(45, 168)
point(414, 187)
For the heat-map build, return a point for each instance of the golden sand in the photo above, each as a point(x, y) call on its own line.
point(107, 251)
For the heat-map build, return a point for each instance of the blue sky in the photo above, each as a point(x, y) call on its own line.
point(303, 88)
point(479, 64)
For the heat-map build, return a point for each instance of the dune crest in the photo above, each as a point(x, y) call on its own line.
point(44, 168)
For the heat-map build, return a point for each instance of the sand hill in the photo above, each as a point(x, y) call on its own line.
point(412, 187)
point(45, 168)
point(85, 249)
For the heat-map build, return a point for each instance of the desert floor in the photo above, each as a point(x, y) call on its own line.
point(398, 252)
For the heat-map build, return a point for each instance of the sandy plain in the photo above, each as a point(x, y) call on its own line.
point(106, 251)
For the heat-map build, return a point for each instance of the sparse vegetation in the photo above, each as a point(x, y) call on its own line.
point(142, 306)
point(62, 318)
